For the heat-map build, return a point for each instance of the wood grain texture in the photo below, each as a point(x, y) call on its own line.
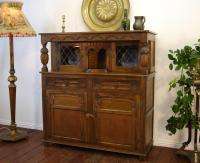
point(97, 36)
point(91, 42)
point(33, 150)
point(98, 102)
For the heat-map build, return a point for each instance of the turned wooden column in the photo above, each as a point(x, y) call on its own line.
point(44, 60)
point(12, 87)
point(44, 57)
point(13, 134)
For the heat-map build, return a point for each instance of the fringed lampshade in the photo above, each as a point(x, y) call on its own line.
point(13, 21)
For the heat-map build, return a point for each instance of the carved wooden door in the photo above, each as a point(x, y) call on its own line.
point(116, 119)
point(125, 57)
point(67, 114)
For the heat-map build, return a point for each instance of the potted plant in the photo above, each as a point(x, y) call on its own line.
point(184, 62)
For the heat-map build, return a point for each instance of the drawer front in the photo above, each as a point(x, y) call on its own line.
point(117, 85)
point(68, 83)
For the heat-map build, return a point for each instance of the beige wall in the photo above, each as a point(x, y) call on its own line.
point(177, 23)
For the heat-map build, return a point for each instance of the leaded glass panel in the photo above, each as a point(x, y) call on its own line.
point(127, 56)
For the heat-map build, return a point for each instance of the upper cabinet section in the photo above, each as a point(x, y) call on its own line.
point(93, 52)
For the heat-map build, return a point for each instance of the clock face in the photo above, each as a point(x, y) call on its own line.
point(104, 15)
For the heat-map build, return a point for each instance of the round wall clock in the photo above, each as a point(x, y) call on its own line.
point(104, 15)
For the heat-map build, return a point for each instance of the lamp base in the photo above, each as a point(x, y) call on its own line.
point(193, 156)
point(13, 136)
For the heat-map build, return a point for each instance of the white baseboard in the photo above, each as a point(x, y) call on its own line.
point(166, 143)
point(23, 124)
point(170, 144)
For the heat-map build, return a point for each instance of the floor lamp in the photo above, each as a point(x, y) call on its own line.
point(13, 23)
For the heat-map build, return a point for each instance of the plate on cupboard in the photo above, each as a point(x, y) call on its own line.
point(104, 15)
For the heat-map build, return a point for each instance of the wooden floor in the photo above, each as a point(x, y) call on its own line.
point(33, 150)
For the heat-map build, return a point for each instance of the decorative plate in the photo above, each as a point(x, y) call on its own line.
point(104, 15)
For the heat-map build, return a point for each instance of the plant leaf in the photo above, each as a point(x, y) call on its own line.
point(171, 66)
point(170, 56)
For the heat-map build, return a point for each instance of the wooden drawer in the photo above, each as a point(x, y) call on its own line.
point(68, 83)
point(123, 85)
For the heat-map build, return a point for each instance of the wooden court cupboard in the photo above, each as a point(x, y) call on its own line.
point(99, 93)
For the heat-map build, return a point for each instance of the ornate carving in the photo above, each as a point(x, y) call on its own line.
point(83, 37)
point(144, 51)
point(116, 85)
point(44, 58)
point(145, 48)
point(106, 9)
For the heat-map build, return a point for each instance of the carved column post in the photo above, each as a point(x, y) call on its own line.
point(44, 57)
point(144, 51)
point(44, 60)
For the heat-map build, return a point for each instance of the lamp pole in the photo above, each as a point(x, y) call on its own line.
point(13, 134)
point(12, 87)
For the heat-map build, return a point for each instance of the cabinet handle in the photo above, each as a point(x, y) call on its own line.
point(88, 115)
point(74, 82)
point(77, 46)
point(63, 85)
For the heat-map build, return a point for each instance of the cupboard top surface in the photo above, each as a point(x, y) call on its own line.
point(137, 35)
point(104, 32)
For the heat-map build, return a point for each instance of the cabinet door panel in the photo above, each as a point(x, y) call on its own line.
point(71, 57)
point(68, 102)
point(115, 104)
point(67, 114)
point(116, 118)
point(125, 57)
point(68, 124)
point(115, 129)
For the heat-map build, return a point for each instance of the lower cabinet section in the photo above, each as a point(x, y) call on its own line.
point(98, 118)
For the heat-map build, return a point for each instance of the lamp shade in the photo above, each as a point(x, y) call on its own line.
point(13, 21)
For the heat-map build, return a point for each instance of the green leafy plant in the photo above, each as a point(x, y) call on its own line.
point(183, 61)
